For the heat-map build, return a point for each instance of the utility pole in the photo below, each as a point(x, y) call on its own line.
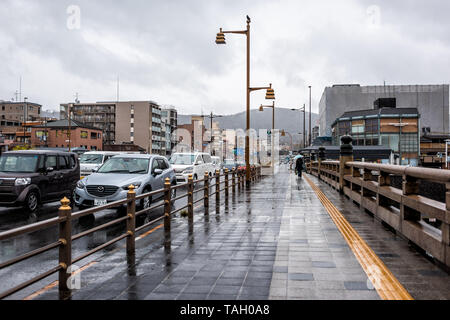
point(25, 115)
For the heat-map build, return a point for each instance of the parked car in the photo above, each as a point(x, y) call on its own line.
point(92, 160)
point(196, 164)
point(31, 177)
point(230, 164)
point(111, 181)
point(218, 165)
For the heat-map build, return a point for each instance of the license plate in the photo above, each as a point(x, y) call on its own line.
point(100, 202)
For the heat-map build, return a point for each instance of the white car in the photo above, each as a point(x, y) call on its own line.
point(195, 163)
point(92, 160)
point(217, 163)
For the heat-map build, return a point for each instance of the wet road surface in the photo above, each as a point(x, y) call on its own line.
point(273, 242)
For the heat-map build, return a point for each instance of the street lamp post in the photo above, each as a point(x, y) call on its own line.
point(273, 130)
point(25, 116)
point(304, 122)
point(220, 39)
point(310, 130)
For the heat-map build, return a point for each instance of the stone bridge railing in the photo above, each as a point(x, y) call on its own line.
point(421, 220)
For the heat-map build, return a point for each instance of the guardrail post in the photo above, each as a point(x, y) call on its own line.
point(233, 180)
point(65, 249)
point(191, 203)
point(206, 193)
point(346, 155)
point(167, 212)
point(239, 181)
point(131, 223)
point(217, 188)
point(227, 185)
point(243, 180)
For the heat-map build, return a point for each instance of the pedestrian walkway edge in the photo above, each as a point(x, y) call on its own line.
point(384, 282)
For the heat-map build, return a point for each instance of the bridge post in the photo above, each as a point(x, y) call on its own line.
point(227, 186)
point(190, 190)
point(321, 158)
point(346, 155)
point(206, 193)
point(167, 213)
point(217, 188)
point(131, 224)
point(65, 248)
point(445, 228)
point(410, 186)
point(233, 180)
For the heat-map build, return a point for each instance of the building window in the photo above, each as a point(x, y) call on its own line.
point(409, 143)
point(390, 141)
point(372, 126)
point(93, 135)
point(344, 128)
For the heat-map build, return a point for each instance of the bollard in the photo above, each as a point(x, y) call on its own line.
point(191, 202)
point(233, 180)
point(217, 188)
point(167, 207)
point(206, 194)
point(226, 185)
point(321, 158)
point(65, 249)
point(131, 223)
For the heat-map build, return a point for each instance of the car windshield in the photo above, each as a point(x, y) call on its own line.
point(91, 158)
point(125, 165)
point(182, 159)
point(18, 163)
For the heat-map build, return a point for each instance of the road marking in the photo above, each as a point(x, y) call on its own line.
point(142, 236)
point(55, 283)
point(387, 286)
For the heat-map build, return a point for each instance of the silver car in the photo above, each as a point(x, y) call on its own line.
point(110, 182)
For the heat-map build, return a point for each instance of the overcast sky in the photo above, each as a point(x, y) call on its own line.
point(165, 51)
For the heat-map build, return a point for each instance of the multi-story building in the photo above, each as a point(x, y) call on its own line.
point(139, 122)
point(432, 102)
point(57, 134)
point(196, 131)
point(19, 111)
point(396, 128)
point(169, 118)
point(100, 115)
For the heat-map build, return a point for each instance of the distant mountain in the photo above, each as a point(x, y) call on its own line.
point(285, 119)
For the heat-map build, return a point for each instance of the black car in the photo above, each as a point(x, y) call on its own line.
point(32, 177)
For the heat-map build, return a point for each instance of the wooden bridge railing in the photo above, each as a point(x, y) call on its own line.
point(404, 210)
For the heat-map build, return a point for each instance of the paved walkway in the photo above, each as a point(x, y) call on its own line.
point(275, 242)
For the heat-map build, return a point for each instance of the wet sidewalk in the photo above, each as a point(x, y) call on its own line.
point(276, 241)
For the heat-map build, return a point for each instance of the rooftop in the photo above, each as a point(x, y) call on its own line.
point(65, 124)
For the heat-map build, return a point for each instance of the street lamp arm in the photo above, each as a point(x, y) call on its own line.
point(236, 32)
point(259, 88)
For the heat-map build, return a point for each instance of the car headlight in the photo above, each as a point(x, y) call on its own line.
point(22, 181)
point(80, 184)
point(188, 170)
point(135, 184)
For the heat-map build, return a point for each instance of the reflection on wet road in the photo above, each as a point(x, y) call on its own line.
point(11, 218)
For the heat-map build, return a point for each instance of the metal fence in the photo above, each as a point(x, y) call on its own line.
point(222, 183)
point(421, 220)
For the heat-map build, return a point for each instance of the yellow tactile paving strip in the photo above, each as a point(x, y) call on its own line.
point(384, 282)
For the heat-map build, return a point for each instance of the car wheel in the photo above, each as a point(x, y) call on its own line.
point(32, 202)
point(147, 201)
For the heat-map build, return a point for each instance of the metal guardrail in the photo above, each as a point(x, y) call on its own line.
point(404, 210)
point(66, 217)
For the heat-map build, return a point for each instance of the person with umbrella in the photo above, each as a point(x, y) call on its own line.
point(299, 165)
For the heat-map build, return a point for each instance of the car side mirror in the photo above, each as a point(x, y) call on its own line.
point(95, 170)
point(199, 162)
point(49, 169)
point(157, 172)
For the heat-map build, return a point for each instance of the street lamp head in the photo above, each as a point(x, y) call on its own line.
point(220, 38)
point(283, 133)
point(270, 94)
point(261, 108)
